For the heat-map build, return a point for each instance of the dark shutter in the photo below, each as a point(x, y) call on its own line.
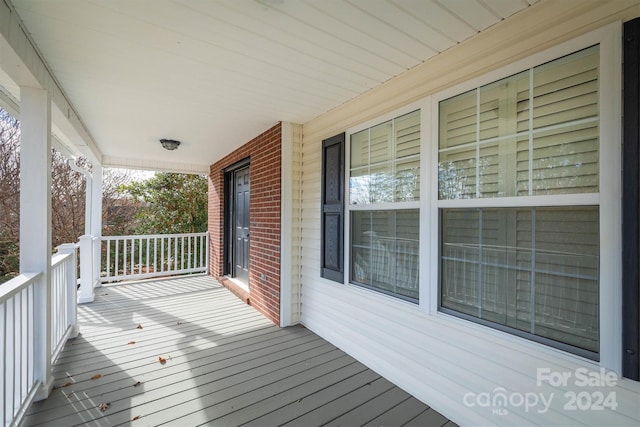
point(631, 203)
point(332, 255)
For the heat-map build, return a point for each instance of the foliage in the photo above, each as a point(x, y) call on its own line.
point(9, 195)
point(172, 203)
point(67, 197)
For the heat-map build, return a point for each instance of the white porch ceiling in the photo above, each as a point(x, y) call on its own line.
point(216, 73)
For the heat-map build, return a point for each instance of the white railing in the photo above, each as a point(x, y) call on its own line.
point(146, 256)
point(35, 321)
point(64, 292)
point(17, 312)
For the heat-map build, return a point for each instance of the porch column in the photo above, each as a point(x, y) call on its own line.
point(35, 220)
point(96, 220)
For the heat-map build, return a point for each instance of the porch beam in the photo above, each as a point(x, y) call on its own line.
point(35, 220)
point(23, 63)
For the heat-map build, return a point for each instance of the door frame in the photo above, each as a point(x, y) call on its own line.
point(229, 215)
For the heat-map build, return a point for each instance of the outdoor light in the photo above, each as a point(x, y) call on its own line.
point(170, 144)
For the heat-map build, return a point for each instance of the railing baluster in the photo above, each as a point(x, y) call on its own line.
point(140, 256)
point(116, 269)
point(147, 264)
point(17, 328)
point(3, 366)
point(11, 351)
point(162, 254)
point(182, 253)
point(108, 254)
point(175, 252)
point(31, 330)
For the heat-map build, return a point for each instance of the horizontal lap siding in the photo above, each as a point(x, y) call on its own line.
point(265, 153)
point(435, 357)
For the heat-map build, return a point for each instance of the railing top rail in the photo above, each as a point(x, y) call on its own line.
point(17, 284)
point(59, 259)
point(154, 236)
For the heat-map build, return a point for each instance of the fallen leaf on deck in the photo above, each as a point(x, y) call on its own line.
point(139, 326)
point(162, 360)
point(67, 384)
point(96, 376)
point(104, 406)
point(179, 323)
point(131, 342)
point(69, 395)
point(137, 384)
point(137, 417)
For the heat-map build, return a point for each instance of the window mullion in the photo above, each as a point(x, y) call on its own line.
point(532, 286)
point(478, 142)
point(530, 131)
point(480, 263)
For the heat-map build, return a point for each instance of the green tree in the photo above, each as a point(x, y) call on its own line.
point(172, 203)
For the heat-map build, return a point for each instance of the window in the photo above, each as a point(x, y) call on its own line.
point(519, 207)
point(384, 196)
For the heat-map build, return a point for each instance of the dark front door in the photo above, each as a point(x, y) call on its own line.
point(241, 235)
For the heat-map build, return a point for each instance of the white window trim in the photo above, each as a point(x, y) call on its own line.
point(609, 199)
point(424, 107)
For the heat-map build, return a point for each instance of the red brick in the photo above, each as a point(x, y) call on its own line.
point(264, 152)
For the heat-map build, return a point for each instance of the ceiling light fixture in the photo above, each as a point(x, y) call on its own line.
point(169, 144)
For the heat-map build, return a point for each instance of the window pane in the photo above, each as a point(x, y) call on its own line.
point(458, 120)
point(380, 143)
point(381, 183)
point(385, 251)
point(517, 150)
point(457, 173)
point(360, 149)
point(407, 182)
point(361, 247)
point(407, 130)
point(359, 186)
point(534, 270)
point(385, 162)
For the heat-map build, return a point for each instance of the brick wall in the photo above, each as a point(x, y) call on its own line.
point(265, 154)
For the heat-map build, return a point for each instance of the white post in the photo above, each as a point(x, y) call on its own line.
point(72, 287)
point(96, 220)
point(86, 293)
point(35, 220)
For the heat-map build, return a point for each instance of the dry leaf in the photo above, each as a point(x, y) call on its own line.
point(131, 342)
point(69, 395)
point(162, 360)
point(137, 417)
point(96, 376)
point(104, 406)
point(179, 323)
point(139, 326)
point(137, 384)
point(67, 384)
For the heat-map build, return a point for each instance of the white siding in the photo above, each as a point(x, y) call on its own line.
point(438, 358)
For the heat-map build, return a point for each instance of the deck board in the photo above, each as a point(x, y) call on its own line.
point(225, 365)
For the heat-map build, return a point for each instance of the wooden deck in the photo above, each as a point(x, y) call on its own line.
point(224, 364)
